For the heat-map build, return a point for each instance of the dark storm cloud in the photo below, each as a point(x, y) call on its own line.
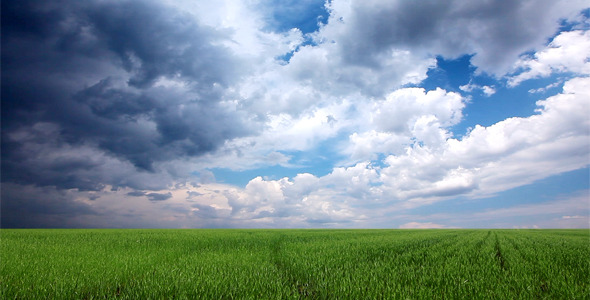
point(79, 91)
point(38, 207)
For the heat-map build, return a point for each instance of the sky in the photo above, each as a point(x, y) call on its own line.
point(295, 114)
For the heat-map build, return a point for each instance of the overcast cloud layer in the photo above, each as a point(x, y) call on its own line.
point(118, 113)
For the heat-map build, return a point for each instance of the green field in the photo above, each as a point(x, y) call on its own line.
point(284, 264)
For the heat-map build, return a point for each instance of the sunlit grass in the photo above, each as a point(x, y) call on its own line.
point(279, 264)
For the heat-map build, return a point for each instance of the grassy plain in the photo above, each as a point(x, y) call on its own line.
point(294, 264)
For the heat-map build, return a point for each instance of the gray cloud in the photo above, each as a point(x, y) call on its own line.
point(169, 44)
point(207, 211)
point(87, 73)
point(38, 207)
point(151, 196)
point(159, 197)
point(496, 31)
point(192, 194)
point(136, 194)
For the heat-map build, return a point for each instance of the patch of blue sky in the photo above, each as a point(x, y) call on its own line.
point(486, 110)
point(449, 74)
point(379, 161)
point(306, 15)
point(545, 190)
point(574, 24)
point(319, 166)
point(318, 161)
point(505, 103)
point(241, 178)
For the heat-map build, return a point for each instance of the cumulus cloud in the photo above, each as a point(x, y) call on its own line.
point(405, 117)
point(510, 153)
point(568, 52)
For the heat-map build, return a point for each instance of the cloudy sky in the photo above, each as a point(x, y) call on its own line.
point(296, 114)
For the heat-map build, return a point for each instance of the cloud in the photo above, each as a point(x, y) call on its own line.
point(418, 225)
point(563, 211)
point(573, 217)
point(405, 117)
point(37, 154)
point(568, 52)
point(496, 31)
point(42, 207)
point(192, 194)
point(485, 89)
point(510, 153)
point(111, 89)
point(136, 194)
point(571, 204)
point(107, 103)
point(151, 196)
point(487, 160)
point(545, 88)
point(159, 197)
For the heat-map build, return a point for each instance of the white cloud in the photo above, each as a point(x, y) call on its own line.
point(418, 225)
point(366, 145)
point(401, 108)
point(281, 132)
point(545, 88)
point(488, 90)
point(568, 52)
point(510, 153)
point(485, 89)
point(404, 117)
point(573, 217)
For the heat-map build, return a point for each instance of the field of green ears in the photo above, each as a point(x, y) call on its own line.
point(294, 264)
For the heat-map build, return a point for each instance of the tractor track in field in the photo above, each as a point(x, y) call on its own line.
point(499, 256)
point(304, 290)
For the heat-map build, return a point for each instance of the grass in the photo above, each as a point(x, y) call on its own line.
point(294, 264)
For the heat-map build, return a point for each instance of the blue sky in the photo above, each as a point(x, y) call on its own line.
point(296, 114)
